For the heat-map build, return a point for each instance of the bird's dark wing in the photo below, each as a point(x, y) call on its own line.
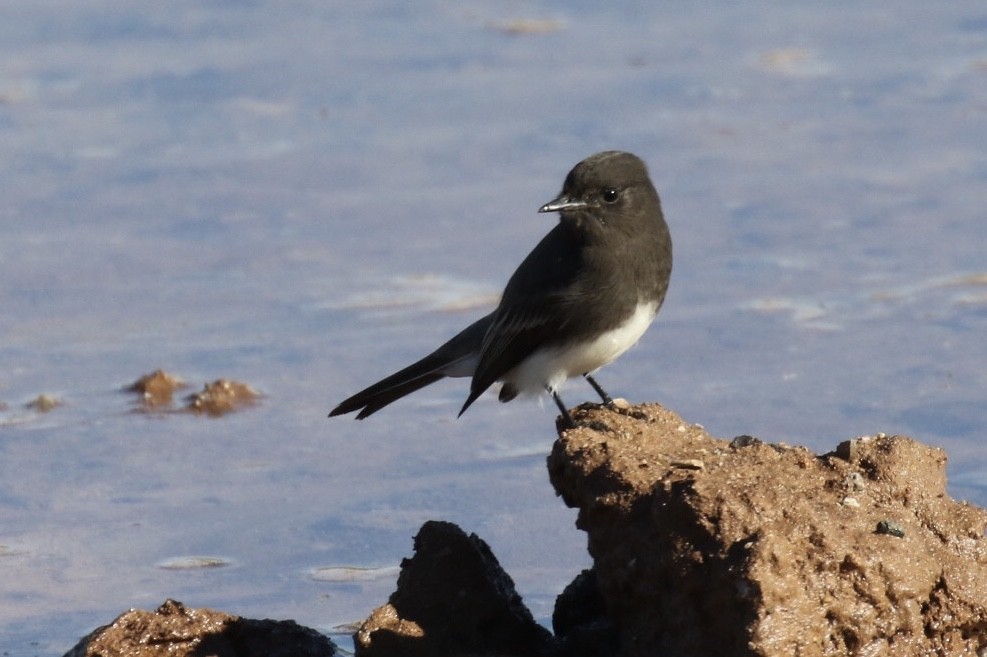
point(517, 336)
point(533, 311)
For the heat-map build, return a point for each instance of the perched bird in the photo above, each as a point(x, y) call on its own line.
point(585, 294)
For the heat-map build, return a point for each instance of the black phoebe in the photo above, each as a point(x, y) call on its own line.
point(581, 298)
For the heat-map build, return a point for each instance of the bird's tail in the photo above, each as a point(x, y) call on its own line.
point(370, 400)
point(457, 357)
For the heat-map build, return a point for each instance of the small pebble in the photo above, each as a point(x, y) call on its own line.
point(689, 464)
point(890, 528)
point(854, 482)
point(744, 441)
point(44, 403)
point(621, 404)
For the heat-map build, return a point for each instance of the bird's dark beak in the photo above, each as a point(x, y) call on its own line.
point(562, 203)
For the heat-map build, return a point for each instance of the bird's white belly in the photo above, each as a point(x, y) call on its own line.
point(549, 368)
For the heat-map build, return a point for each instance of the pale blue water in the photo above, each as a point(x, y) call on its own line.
point(306, 196)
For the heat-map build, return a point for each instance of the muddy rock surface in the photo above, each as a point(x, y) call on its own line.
point(712, 547)
point(157, 388)
point(174, 630)
point(220, 397)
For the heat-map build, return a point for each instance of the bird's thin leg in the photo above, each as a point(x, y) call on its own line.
point(562, 409)
point(607, 401)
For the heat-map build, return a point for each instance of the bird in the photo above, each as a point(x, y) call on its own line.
point(585, 294)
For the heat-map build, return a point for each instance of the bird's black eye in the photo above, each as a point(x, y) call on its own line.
point(609, 195)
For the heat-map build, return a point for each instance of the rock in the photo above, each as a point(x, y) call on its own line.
point(157, 388)
point(453, 598)
point(44, 403)
point(173, 630)
point(220, 397)
point(581, 624)
point(757, 553)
